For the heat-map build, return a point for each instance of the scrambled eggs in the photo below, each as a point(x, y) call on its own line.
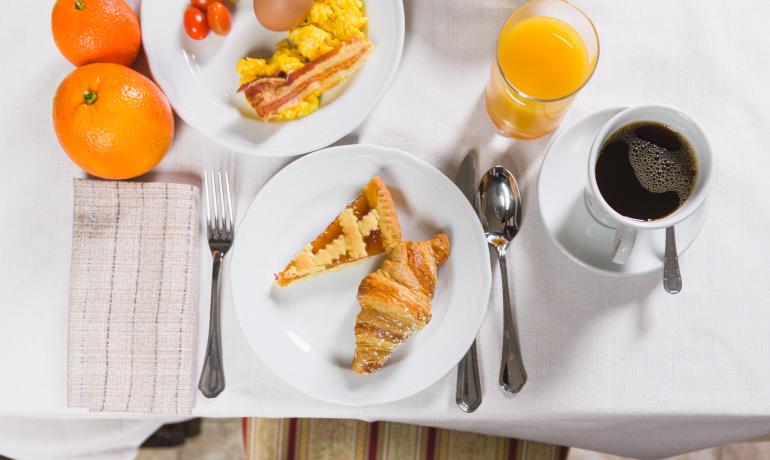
point(330, 23)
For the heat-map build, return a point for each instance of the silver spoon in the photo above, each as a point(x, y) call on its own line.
point(498, 203)
point(672, 279)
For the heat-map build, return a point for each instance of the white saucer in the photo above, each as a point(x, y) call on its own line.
point(561, 186)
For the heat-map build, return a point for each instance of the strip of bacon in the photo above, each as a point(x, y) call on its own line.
point(269, 95)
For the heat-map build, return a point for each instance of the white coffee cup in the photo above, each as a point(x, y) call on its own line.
point(626, 227)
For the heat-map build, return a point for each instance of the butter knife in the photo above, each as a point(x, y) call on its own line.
point(468, 391)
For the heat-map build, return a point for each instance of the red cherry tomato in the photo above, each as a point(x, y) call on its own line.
point(219, 18)
point(202, 4)
point(195, 23)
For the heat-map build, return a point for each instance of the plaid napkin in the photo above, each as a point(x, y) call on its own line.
point(133, 297)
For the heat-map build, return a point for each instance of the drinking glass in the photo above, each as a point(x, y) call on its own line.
point(513, 111)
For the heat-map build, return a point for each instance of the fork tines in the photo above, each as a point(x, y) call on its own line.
point(219, 214)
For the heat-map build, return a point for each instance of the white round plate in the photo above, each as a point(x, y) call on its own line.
point(200, 80)
point(560, 188)
point(304, 332)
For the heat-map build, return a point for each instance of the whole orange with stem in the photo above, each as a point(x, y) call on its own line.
point(112, 121)
point(87, 31)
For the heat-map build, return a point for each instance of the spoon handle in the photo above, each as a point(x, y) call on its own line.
point(512, 373)
point(672, 279)
point(468, 392)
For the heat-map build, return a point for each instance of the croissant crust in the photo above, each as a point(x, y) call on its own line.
point(396, 300)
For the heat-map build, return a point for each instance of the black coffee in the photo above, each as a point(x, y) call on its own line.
point(646, 170)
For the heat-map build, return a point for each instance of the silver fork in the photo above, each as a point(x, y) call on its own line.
point(219, 228)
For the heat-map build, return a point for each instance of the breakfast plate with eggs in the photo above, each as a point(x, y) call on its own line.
point(273, 77)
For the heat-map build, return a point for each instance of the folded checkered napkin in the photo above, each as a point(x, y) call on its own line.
point(133, 297)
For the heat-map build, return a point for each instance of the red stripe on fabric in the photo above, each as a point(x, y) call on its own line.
point(244, 423)
point(513, 446)
point(291, 451)
point(374, 430)
point(430, 451)
point(563, 452)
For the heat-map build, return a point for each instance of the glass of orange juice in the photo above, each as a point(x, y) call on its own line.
point(546, 52)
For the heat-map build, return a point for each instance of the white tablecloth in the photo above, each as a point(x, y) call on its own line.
point(614, 364)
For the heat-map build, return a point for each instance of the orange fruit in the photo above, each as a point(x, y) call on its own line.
point(87, 31)
point(112, 121)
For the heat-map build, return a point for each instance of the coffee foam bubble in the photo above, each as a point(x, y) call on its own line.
point(658, 169)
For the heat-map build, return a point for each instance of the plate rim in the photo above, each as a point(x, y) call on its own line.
point(563, 131)
point(485, 275)
point(255, 149)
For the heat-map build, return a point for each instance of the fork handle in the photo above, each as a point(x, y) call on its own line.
point(212, 380)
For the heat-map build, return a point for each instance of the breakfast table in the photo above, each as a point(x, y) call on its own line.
point(615, 364)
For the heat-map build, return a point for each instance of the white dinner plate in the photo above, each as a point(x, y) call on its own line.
point(304, 332)
point(561, 186)
point(200, 80)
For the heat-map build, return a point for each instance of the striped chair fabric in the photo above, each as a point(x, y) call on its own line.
point(333, 439)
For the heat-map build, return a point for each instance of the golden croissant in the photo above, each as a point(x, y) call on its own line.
point(396, 300)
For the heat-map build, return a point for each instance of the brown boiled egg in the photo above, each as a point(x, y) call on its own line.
point(281, 15)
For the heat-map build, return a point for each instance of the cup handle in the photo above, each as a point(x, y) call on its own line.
point(625, 237)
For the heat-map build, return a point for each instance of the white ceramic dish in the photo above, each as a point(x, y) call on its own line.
point(304, 332)
point(561, 188)
point(200, 80)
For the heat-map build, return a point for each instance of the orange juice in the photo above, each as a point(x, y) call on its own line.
point(542, 61)
point(543, 57)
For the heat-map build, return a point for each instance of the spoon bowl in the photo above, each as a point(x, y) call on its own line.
point(498, 203)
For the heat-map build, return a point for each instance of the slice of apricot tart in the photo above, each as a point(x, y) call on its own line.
point(368, 226)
